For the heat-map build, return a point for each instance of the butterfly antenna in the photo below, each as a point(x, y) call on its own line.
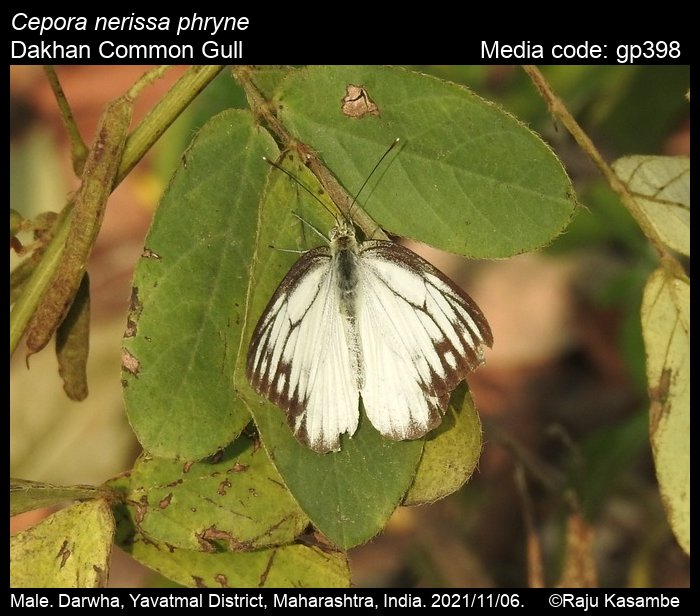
point(300, 183)
point(369, 177)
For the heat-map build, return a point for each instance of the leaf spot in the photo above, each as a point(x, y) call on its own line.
point(199, 582)
point(64, 553)
point(238, 468)
point(149, 254)
point(130, 364)
point(357, 103)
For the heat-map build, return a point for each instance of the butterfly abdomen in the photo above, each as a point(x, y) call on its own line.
point(346, 272)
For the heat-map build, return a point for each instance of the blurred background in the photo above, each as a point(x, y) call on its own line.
point(562, 396)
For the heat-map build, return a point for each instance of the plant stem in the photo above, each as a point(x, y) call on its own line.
point(79, 150)
point(165, 112)
point(146, 80)
point(558, 109)
point(40, 279)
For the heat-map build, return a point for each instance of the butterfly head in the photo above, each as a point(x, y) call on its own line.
point(342, 236)
point(342, 229)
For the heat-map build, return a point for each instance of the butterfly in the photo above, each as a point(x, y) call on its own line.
point(370, 320)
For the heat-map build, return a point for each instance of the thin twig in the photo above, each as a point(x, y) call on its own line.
point(535, 568)
point(78, 149)
point(558, 109)
point(146, 80)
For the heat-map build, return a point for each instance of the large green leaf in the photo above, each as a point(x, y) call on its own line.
point(349, 495)
point(469, 178)
point(666, 329)
point(661, 187)
point(190, 285)
point(286, 566)
point(70, 549)
point(237, 502)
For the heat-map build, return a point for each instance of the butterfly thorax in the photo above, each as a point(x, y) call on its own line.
point(344, 253)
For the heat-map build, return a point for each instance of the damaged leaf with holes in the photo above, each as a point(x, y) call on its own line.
point(235, 501)
point(289, 566)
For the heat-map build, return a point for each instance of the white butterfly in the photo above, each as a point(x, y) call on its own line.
point(371, 320)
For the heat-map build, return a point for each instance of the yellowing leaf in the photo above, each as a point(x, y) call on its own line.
point(237, 503)
point(450, 454)
point(287, 566)
point(666, 329)
point(661, 186)
point(70, 549)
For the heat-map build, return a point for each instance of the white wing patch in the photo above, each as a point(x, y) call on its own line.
point(418, 339)
point(299, 356)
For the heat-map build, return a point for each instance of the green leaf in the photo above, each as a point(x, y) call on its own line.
point(450, 454)
point(70, 549)
point(469, 178)
point(183, 333)
point(268, 78)
point(237, 503)
point(666, 328)
point(287, 566)
point(661, 187)
point(28, 495)
point(348, 495)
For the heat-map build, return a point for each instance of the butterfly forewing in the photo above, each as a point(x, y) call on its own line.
point(299, 356)
point(419, 335)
